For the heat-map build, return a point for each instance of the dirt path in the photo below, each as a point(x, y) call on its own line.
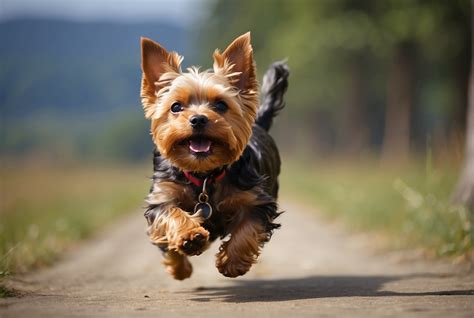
point(308, 269)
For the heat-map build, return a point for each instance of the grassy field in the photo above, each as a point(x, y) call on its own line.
point(46, 208)
point(409, 206)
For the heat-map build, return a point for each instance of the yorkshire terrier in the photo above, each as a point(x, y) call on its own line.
point(215, 165)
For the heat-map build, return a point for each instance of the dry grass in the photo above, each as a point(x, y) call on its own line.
point(410, 204)
point(45, 208)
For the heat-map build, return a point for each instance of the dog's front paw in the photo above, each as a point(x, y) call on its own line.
point(194, 241)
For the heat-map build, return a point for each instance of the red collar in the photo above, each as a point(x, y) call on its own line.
point(211, 178)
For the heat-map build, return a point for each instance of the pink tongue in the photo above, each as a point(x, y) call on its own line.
point(202, 145)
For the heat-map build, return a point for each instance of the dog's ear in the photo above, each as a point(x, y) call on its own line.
point(237, 63)
point(156, 61)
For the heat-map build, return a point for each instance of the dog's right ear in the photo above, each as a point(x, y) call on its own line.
point(156, 62)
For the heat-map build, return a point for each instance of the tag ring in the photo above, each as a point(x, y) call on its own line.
point(203, 197)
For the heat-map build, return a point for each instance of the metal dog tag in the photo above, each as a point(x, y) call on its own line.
point(203, 209)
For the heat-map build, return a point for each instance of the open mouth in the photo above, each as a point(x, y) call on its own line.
point(201, 146)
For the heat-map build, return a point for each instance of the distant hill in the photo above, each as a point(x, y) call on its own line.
point(69, 68)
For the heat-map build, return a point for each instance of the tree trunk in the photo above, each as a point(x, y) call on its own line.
point(355, 129)
point(457, 127)
point(464, 192)
point(396, 142)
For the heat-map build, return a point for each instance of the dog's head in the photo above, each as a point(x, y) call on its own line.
point(200, 120)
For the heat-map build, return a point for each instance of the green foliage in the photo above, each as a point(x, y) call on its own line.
point(125, 138)
point(119, 137)
point(324, 39)
point(6, 292)
point(410, 205)
point(319, 36)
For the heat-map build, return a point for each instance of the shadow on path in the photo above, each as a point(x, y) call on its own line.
point(312, 287)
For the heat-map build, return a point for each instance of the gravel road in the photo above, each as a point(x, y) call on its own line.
point(309, 268)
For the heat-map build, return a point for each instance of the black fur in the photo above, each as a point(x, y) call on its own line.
point(275, 84)
point(257, 168)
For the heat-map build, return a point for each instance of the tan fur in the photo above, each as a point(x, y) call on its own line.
point(175, 226)
point(170, 193)
point(232, 199)
point(247, 236)
point(156, 61)
point(241, 251)
point(177, 265)
point(233, 81)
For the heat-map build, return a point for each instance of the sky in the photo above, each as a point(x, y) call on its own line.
point(184, 12)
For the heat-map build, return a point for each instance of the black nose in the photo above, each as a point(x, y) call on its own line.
point(198, 121)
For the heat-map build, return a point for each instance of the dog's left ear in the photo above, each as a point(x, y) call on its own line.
point(156, 62)
point(237, 63)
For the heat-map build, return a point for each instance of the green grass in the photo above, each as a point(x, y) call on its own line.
point(410, 205)
point(7, 292)
point(47, 208)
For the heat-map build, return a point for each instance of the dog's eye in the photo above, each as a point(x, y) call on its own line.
point(176, 107)
point(221, 106)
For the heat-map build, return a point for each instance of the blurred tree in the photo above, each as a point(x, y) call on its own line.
point(464, 192)
point(400, 98)
point(355, 132)
point(415, 30)
point(125, 138)
point(356, 62)
point(327, 45)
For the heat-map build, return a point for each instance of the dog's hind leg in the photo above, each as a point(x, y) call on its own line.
point(177, 265)
point(240, 252)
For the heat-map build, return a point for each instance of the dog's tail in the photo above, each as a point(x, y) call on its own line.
point(275, 83)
